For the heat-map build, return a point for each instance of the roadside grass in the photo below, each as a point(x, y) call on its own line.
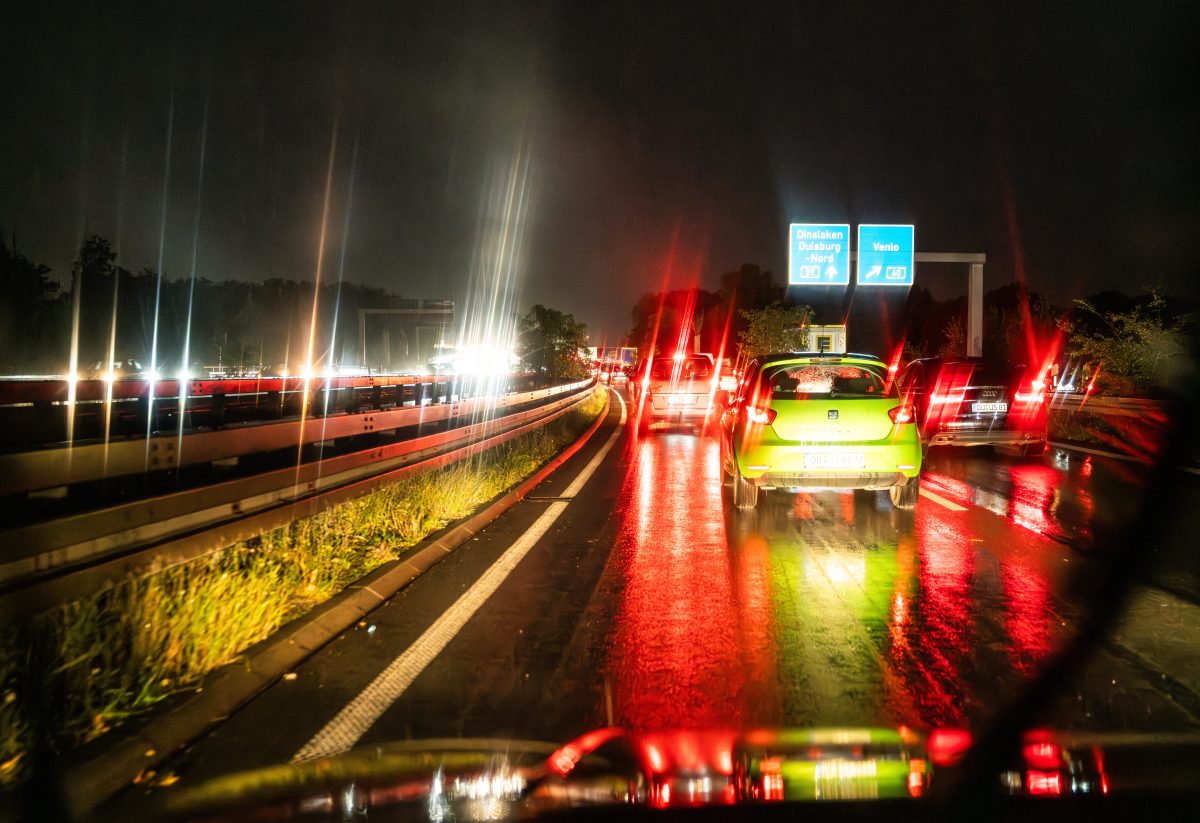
point(73, 673)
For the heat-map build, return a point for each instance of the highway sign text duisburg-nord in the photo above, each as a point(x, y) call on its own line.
point(885, 255)
point(819, 254)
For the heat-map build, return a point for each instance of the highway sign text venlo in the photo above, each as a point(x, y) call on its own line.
point(819, 254)
point(885, 255)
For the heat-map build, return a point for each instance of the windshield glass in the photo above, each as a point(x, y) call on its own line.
point(788, 397)
point(685, 369)
point(813, 382)
point(980, 374)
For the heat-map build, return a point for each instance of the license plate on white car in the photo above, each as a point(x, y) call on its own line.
point(679, 400)
point(834, 460)
point(985, 408)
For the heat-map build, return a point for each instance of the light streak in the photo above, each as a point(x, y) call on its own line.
point(181, 408)
point(487, 334)
point(162, 242)
point(306, 370)
point(330, 370)
point(112, 329)
point(73, 366)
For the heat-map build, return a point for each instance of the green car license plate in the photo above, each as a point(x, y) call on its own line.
point(834, 460)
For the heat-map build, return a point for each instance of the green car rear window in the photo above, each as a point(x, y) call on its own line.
point(800, 381)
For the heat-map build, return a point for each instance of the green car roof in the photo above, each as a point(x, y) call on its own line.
point(782, 357)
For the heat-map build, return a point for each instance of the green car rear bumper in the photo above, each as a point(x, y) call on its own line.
point(870, 464)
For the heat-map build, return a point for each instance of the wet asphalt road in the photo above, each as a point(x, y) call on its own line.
point(651, 603)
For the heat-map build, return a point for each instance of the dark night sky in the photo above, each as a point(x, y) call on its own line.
point(694, 126)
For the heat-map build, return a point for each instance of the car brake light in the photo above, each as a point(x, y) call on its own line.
point(762, 416)
point(1035, 394)
point(902, 414)
point(937, 398)
point(947, 746)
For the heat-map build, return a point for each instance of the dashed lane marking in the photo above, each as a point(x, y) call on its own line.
point(941, 501)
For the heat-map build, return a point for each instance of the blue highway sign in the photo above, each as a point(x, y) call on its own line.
point(819, 254)
point(885, 255)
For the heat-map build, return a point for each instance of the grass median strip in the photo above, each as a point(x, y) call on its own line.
point(70, 675)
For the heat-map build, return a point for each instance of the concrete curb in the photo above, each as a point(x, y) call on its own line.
point(90, 779)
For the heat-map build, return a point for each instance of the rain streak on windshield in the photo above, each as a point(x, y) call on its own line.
point(790, 383)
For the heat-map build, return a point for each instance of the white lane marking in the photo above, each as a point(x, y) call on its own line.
point(1098, 452)
point(623, 407)
point(352, 722)
point(941, 501)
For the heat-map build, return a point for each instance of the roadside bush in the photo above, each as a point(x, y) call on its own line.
point(1137, 352)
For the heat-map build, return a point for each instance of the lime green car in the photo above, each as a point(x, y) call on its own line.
point(830, 764)
point(805, 421)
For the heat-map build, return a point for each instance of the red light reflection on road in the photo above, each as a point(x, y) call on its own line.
point(902, 597)
point(940, 615)
point(1033, 489)
point(1029, 620)
point(847, 501)
point(751, 563)
point(676, 660)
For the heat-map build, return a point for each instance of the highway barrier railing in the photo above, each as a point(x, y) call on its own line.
point(48, 563)
point(1108, 406)
point(1131, 428)
point(48, 468)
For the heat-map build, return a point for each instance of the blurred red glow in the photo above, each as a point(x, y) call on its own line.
point(1042, 754)
point(947, 746)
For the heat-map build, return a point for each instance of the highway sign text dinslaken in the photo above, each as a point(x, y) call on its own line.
point(885, 255)
point(819, 254)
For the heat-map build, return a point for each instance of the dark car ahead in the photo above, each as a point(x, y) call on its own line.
point(968, 401)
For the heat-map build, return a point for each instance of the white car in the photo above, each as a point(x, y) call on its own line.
point(676, 389)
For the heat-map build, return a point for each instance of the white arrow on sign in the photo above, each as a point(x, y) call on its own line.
point(873, 272)
point(831, 272)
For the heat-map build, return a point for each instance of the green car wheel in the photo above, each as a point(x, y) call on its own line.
point(745, 493)
point(904, 496)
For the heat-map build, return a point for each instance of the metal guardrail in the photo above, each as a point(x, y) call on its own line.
point(55, 561)
point(51, 468)
point(1108, 406)
point(1126, 428)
